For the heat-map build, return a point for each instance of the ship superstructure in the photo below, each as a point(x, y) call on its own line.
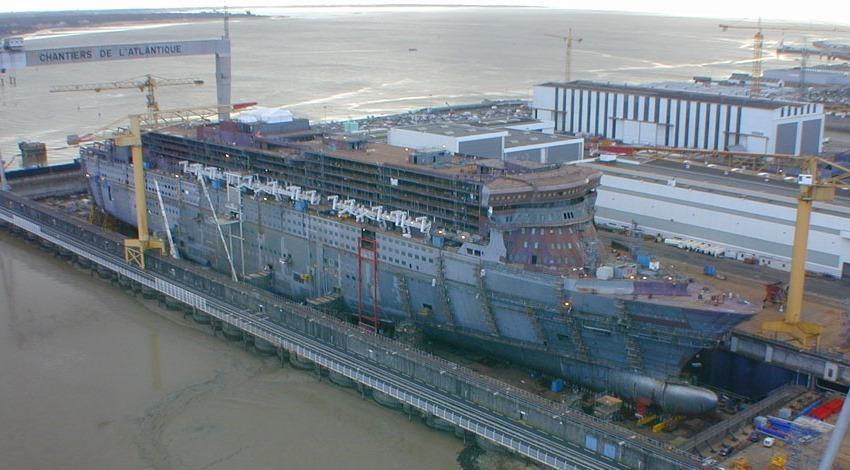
point(486, 253)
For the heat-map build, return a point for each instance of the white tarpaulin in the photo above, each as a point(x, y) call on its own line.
point(267, 115)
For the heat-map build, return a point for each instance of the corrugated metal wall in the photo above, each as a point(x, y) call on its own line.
point(786, 138)
point(810, 142)
point(491, 148)
point(564, 153)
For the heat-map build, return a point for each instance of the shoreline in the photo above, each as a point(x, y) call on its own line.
point(52, 24)
point(111, 26)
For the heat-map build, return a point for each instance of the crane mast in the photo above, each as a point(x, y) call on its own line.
point(758, 46)
point(568, 51)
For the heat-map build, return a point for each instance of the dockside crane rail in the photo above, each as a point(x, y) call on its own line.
point(147, 84)
point(568, 51)
point(758, 44)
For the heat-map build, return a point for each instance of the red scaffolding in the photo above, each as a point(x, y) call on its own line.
point(367, 253)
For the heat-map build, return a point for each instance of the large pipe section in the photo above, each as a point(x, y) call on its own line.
point(675, 398)
point(672, 397)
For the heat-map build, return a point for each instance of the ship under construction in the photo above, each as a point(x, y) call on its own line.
point(500, 256)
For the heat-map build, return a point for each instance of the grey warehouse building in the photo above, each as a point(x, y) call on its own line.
point(490, 142)
point(660, 117)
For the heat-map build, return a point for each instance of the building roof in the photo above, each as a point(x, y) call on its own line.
point(452, 129)
point(526, 138)
point(707, 96)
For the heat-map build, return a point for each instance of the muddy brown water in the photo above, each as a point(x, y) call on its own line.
point(93, 377)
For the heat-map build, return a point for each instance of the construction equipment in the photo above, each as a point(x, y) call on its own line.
point(776, 293)
point(147, 84)
point(150, 121)
point(568, 45)
point(758, 44)
point(812, 188)
point(20, 56)
point(741, 463)
point(134, 249)
point(777, 462)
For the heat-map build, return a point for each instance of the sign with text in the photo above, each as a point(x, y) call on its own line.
point(70, 55)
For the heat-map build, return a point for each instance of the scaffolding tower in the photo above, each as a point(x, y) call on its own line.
point(367, 254)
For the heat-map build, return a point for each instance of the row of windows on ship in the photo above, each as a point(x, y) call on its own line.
point(388, 257)
point(569, 215)
point(542, 231)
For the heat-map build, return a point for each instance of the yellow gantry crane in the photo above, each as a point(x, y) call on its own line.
point(146, 84)
point(758, 45)
point(812, 189)
point(568, 46)
point(134, 249)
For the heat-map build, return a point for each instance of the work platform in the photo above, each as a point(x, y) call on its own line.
point(819, 365)
point(528, 425)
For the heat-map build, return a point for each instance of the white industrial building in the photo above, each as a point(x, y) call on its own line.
point(664, 117)
point(744, 216)
point(500, 143)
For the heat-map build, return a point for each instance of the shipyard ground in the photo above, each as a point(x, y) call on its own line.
point(824, 304)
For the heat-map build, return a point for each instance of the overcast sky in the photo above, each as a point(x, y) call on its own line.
point(835, 11)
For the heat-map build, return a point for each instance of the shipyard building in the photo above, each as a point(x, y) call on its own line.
point(507, 144)
point(741, 217)
point(692, 118)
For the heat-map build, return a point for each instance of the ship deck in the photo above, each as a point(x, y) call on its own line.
point(380, 154)
point(689, 295)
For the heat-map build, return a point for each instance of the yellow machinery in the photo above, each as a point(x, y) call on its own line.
point(568, 45)
point(758, 44)
point(647, 420)
point(147, 84)
point(134, 249)
point(668, 423)
point(741, 464)
point(777, 462)
point(812, 188)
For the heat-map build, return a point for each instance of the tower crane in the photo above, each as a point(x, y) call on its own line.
point(758, 44)
point(146, 84)
point(568, 46)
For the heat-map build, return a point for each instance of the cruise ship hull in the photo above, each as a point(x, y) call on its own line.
point(596, 333)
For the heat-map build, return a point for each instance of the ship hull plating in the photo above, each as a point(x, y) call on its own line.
point(545, 321)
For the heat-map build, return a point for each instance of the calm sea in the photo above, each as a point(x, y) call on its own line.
point(341, 63)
